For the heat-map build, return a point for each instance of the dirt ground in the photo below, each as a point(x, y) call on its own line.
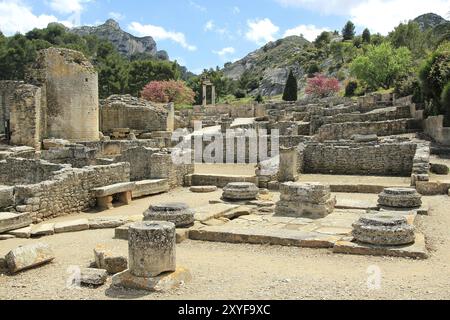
point(227, 271)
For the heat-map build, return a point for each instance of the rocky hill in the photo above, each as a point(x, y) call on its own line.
point(430, 21)
point(270, 64)
point(127, 44)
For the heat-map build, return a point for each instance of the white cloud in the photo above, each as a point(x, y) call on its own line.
point(377, 15)
point(15, 16)
point(383, 16)
point(159, 33)
point(197, 6)
point(116, 15)
point(309, 32)
point(236, 10)
point(209, 26)
point(67, 6)
point(261, 31)
point(225, 51)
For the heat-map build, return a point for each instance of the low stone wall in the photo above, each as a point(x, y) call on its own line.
point(434, 128)
point(347, 158)
point(346, 130)
point(14, 171)
point(69, 191)
point(148, 163)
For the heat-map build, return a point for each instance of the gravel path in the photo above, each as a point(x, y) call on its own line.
point(226, 271)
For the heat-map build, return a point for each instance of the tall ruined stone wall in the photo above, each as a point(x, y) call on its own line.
point(347, 158)
point(69, 191)
point(70, 85)
point(346, 130)
point(15, 171)
point(140, 160)
point(7, 90)
point(25, 116)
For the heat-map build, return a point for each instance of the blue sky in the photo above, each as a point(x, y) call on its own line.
point(207, 33)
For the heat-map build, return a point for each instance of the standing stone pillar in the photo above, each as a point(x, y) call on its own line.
point(152, 261)
point(151, 248)
point(204, 102)
point(288, 165)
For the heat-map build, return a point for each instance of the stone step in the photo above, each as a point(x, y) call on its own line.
point(12, 221)
point(150, 187)
point(219, 180)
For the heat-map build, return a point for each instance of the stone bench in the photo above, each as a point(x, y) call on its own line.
point(105, 195)
point(150, 187)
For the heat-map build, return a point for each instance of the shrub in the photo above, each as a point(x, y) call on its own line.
point(259, 98)
point(350, 88)
point(168, 91)
point(321, 86)
point(239, 94)
point(291, 88)
point(313, 68)
point(445, 101)
point(409, 86)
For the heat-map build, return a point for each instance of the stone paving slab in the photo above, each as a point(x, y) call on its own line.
point(416, 251)
point(46, 229)
point(213, 211)
point(12, 221)
point(72, 226)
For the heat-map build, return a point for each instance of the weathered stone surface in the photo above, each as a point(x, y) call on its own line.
point(178, 213)
point(164, 282)
point(6, 196)
point(432, 188)
point(384, 229)
point(311, 200)
point(93, 277)
point(72, 226)
point(114, 189)
point(416, 250)
point(106, 223)
point(214, 211)
point(203, 189)
point(54, 143)
point(11, 221)
point(182, 235)
point(109, 260)
point(46, 229)
point(283, 237)
point(365, 138)
point(24, 233)
point(29, 256)
point(150, 187)
point(440, 169)
point(122, 232)
point(151, 248)
point(3, 265)
point(400, 198)
point(6, 237)
point(238, 191)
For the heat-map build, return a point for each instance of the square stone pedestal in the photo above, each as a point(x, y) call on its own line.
point(164, 282)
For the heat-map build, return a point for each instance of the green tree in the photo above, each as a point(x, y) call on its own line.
point(323, 39)
point(291, 88)
point(349, 31)
point(410, 35)
point(381, 65)
point(435, 75)
point(366, 36)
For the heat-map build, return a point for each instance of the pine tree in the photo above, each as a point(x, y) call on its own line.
point(349, 31)
point(366, 36)
point(290, 90)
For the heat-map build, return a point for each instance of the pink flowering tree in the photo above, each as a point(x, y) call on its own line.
point(321, 86)
point(168, 91)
